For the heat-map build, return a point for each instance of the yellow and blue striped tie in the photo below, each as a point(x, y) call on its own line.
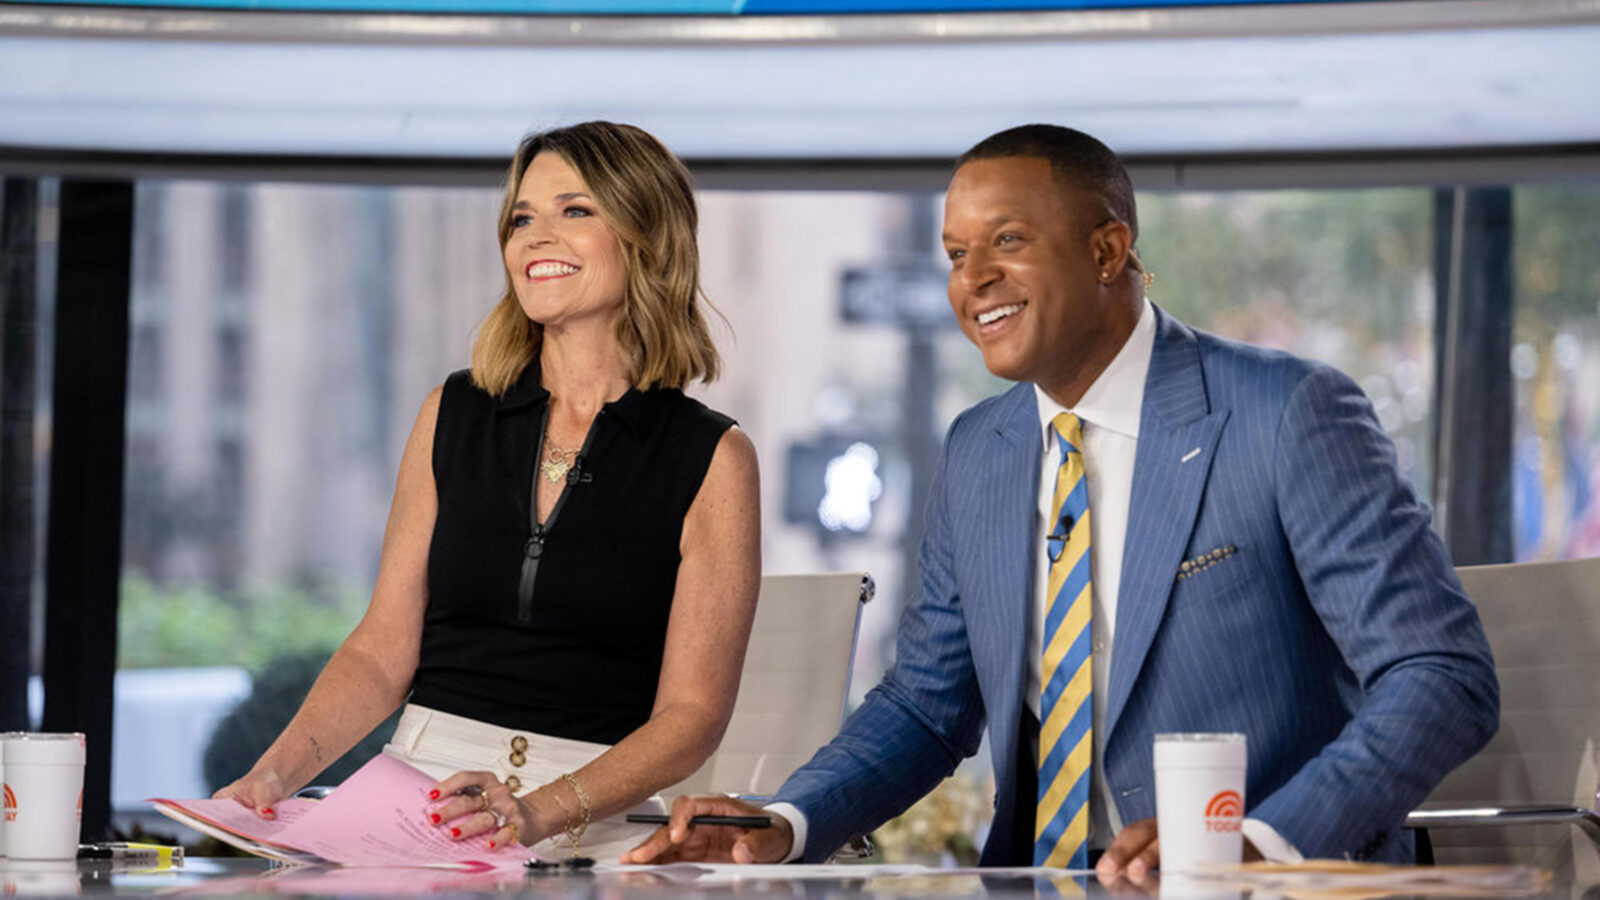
point(1062, 887)
point(1066, 734)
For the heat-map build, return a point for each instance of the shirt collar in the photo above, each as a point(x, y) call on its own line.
point(525, 390)
point(1116, 398)
point(634, 408)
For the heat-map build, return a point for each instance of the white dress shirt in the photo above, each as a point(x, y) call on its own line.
point(1109, 411)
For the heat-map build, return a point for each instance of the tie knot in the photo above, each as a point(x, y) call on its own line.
point(1069, 429)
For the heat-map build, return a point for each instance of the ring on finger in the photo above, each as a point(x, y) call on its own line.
point(516, 832)
point(483, 801)
point(499, 820)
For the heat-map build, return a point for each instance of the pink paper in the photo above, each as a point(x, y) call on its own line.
point(242, 820)
point(379, 817)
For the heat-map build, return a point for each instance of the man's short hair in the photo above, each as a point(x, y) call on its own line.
point(1077, 160)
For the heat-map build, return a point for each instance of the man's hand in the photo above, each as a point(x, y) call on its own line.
point(1136, 853)
point(1133, 855)
point(679, 841)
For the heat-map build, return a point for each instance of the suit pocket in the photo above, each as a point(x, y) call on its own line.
point(1213, 571)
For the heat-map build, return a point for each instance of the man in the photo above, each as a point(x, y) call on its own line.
point(1246, 557)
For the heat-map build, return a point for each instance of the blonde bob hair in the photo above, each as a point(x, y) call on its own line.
point(643, 193)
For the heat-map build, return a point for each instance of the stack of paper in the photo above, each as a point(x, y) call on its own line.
point(378, 817)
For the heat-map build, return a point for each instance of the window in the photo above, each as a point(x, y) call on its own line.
point(1555, 364)
point(286, 334)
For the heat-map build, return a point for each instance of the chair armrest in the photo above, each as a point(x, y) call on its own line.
point(859, 847)
point(1474, 817)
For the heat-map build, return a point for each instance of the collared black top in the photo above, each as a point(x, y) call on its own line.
point(578, 654)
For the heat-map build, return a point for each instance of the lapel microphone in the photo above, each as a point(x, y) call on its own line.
point(576, 474)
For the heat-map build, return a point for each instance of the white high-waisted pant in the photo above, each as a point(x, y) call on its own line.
point(442, 744)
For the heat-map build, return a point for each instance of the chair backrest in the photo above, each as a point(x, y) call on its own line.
point(795, 682)
point(1543, 624)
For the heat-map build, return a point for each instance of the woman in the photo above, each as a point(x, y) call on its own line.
point(572, 559)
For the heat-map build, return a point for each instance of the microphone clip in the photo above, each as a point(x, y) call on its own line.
point(576, 474)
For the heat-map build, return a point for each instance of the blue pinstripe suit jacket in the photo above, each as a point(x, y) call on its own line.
point(1336, 637)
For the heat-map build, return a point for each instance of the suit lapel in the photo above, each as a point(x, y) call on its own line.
point(1178, 433)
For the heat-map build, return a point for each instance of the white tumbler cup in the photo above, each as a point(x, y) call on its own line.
point(1199, 799)
point(43, 795)
point(5, 801)
point(10, 802)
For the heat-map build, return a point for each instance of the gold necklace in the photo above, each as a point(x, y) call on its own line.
point(556, 461)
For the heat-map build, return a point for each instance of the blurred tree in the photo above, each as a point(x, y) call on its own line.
point(193, 625)
point(1557, 269)
point(1347, 257)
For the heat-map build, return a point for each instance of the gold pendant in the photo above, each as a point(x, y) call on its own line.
point(556, 470)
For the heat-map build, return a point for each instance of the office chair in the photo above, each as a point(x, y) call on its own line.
point(1530, 795)
point(794, 685)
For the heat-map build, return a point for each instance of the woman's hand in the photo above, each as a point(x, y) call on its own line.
point(257, 790)
point(477, 804)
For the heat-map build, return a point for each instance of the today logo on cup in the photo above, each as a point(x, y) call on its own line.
point(1224, 812)
point(11, 804)
point(1200, 798)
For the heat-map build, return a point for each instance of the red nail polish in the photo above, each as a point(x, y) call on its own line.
point(455, 832)
point(434, 817)
point(433, 795)
point(269, 811)
point(491, 845)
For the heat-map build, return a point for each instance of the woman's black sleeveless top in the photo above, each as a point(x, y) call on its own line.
point(557, 630)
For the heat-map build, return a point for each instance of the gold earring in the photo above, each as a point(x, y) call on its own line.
point(1149, 279)
point(1105, 276)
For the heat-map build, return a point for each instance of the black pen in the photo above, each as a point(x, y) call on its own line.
point(736, 821)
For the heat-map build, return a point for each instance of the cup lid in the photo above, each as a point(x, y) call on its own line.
point(50, 749)
point(1203, 751)
point(1230, 737)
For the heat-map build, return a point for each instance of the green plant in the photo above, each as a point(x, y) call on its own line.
point(193, 625)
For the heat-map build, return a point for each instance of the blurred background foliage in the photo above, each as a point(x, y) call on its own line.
point(1351, 259)
point(1556, 263)
point(181, 625)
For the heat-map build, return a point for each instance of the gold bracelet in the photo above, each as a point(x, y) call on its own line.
point(556, 796)
point(575, 833)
